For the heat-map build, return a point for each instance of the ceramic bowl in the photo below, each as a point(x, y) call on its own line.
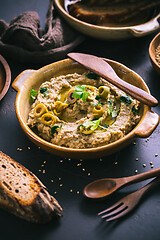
point(152, 52)
point(108, 33)
point(5, 77)
point(34, 78)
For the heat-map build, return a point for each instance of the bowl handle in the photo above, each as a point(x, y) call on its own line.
point(150, 122)
point(148, 27)
point(19, 80)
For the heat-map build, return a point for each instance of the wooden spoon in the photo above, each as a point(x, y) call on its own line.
point(103, 69)
point(104, 187)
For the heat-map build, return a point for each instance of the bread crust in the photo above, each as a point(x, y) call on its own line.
point(23, 194)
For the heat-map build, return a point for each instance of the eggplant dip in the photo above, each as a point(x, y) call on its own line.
point(81, 111)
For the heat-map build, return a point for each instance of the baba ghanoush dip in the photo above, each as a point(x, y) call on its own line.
point(81, 111)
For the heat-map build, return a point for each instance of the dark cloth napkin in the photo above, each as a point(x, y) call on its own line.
point(25, 41)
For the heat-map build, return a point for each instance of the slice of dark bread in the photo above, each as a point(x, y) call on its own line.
point(23, 194)
point(113, 12)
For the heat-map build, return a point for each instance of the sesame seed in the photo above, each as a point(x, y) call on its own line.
point(136, 171)
point(144, 165)
point(100, 159)
point(156, 155)
point(71, 190)
point(152, 166)
point(44, 162)
point(61, 185)
point(51, 180)
point(44, 171)
point(89, 174)
point(116, 163)
point(42, 165)
point(61, 161)
point(77, 192)
point(137, 159)
point(83, 169)
point(79, 164)
point(151, 163)
point(19, 149)
point(134, 143)
point(39, 170)
point(29, 148)
point(59, 178)
point(55, 192)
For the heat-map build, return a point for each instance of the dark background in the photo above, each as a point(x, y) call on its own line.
point(80, 220)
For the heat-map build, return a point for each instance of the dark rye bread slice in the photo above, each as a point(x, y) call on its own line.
point(23, 194)
point(114, 12)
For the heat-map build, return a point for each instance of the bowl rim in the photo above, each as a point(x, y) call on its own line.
point(7, 80)
point(49, 145)
point(152, 56)
point(98, 27)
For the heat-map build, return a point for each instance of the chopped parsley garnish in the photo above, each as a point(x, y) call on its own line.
point(92, 75)
point(106, 126)
point(43, 90)
point(80, 92)
point(110, 102)
point(54, 128)
point(96, 104)
point(93, 125)
point(134, 110)
point(112, 112)
point(33, 94)
point(126, 99)
point(97, 97)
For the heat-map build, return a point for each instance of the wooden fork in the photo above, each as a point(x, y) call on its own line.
point(128, 203)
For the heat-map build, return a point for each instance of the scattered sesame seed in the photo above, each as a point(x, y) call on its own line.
point(83, 169)
point(77, 192)
point(137, 159)
point(89, 174)
point(100, 159)
point(39, 170)
point(79, 164)
point(69, 159)
point(43, 171)
point(134, 143)
point(61, 161)
point(61, 185)
point(55, 192)
point(116, 163)
point(19, 149)
point(151, 163)
point(44, 162)
point(81, 160)
point(51, 180)
point(156, 155)
point(152, 166)
point(136, 171)
point(71, 190)
point(144, 165)
point(42, 165)
point(39, 147)
point(29, 148)
point(59, 178)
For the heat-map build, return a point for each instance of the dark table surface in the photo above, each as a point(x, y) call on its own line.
point(80, 220)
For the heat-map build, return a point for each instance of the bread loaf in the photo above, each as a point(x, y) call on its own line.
point(23, 194)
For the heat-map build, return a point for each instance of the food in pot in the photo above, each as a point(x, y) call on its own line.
point(82, 111)
point(113, 13)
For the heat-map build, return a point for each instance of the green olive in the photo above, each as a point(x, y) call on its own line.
point(98, 111)
point(103, 91)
